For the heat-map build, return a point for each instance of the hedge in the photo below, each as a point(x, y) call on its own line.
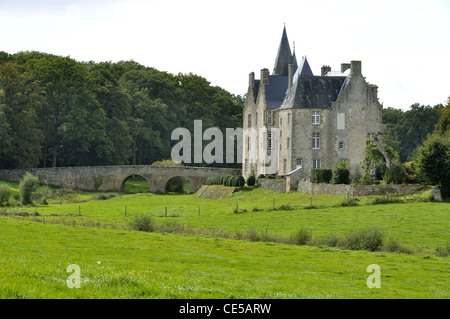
point(322, 175)
point(234, 181)
point(341, 176)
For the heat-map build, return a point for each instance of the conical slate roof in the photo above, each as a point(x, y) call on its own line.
point(284, 56)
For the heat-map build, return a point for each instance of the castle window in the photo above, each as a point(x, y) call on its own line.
point(268, 118)
point(269, 141)
point(256, 119)
point(316, 163)
point(249, 118)
point(316, 117)
point(341, 146)
point(288, 143)
point(289, 118)
point(299, 163)
point(248, 143)
point(316, 141)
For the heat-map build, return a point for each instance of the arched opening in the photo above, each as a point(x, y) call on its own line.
point(135, 184)
point(179, 185)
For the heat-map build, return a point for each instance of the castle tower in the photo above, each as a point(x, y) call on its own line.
point(284, 57)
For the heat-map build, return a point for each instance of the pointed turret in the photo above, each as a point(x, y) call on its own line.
point(284, 56)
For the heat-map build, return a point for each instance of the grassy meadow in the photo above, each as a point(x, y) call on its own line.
point(203, 247)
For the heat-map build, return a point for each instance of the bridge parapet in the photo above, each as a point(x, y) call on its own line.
point(112, 178)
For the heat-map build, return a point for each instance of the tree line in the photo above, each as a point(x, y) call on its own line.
point(56, 111)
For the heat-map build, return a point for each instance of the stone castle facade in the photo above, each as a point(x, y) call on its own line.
point(309, 121)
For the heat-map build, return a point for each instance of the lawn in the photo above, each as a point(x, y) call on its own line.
point(130, 264)
point(117, 262)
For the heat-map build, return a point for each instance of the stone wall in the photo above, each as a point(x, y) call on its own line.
point(114, 177)
point(357, 190)
point(278, 185)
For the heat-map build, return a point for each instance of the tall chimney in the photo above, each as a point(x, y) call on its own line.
point(265, 76)
point(290, 75)
point(324, 70)
point(355, 68)
point(251, 79)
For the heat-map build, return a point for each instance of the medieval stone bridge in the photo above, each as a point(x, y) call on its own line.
point(113, 178)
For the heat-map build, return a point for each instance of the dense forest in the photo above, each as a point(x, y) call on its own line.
point(55, 111)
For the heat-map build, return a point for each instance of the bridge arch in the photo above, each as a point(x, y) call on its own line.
point(179, 184)
point(137, 185)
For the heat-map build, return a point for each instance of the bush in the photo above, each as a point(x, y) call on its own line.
point(443, 251)
point(330, 240)
point(27, 186)
point(5, 194)
point(341, 176)
point(349, 201)
point(302, 237)
point(239, 181)
point(251, 180)
point(370, 239)
point(322, 175)
point(142, 223)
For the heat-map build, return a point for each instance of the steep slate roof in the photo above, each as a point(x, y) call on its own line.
point(275, 90)
point(303, 69)
point(283, 56)
point(313, 92)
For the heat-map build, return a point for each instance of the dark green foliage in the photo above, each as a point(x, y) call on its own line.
point(142, 222)
point(5, 194)
point(251, 180)
point(234, 181)
point(341, 174)
point(408, 129)
point(27, 186)
point(433, 162)
point(322, 175)
point(56, 111)
point(302, 236)
point(370, 239)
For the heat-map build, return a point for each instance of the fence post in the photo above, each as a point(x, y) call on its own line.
point(165, 213)
point(125, 210)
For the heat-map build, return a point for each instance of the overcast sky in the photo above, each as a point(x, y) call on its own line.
point(404, 46)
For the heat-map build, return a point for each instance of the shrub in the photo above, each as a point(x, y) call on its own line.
point(349, 201)
point(239, 181)
point(5, 194)
point(302, 237)
point(384, 200)
point(341, 176)
point(370, 239)
point(331, 240)
point(27, 186)
point(251, 180)
point(322, 175)
point(443, 251)
point(142, 222)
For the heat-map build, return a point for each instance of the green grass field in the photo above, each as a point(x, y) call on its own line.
point(116, 262)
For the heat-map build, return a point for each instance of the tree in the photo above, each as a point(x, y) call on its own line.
point(27, 186)
point(433, 161)
point(432, 158)
point(407, 130)
point(20, 100)
point(377, 154)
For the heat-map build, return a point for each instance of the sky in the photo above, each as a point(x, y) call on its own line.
point(404, 46)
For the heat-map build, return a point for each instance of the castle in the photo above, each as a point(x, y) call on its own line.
point(309, 121)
